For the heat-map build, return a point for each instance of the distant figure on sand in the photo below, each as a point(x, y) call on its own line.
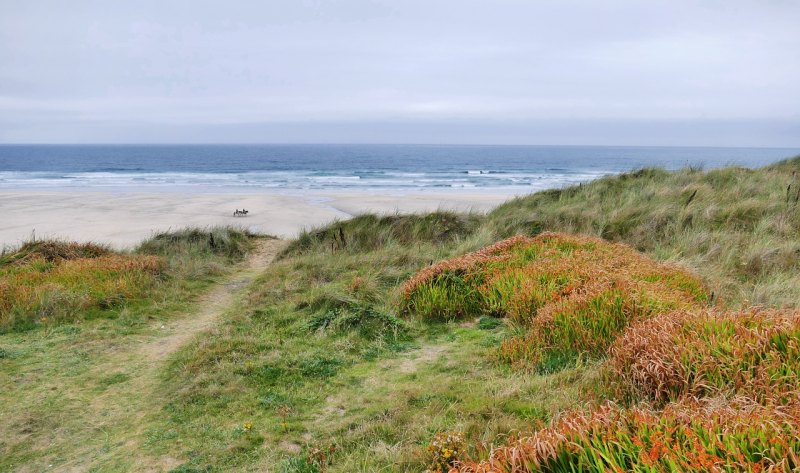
point(239, 213)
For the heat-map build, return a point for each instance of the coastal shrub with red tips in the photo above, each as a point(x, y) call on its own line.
point(755, 353)
point(711, 434)
point(573, 293)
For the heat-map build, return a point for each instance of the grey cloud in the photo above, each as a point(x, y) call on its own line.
point(571, 72)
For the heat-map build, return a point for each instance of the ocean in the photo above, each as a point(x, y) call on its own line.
point(348, 167)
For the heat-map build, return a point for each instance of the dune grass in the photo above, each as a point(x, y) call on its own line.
point(53, 281)
point(369, 232)
point(333, 361)
point(212, 245)
point(737, 228)
point(316, 371)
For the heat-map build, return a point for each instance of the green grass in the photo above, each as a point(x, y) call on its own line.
point(317, 357)
point(58, 376)
point(741, 231)
point(317, 367)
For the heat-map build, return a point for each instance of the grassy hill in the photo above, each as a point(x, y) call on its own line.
point(736, 227)
point(400, 343)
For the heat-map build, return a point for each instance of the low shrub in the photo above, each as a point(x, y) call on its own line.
point(446, 449)
point(753, 353)
point(573, 294)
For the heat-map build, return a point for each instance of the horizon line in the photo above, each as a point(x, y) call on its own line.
point(392, 144)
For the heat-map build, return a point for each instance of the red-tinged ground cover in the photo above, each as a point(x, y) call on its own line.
point(574, 294)
point(706, 391)
point(689, 387)
point(753, 353)
point(694, 435)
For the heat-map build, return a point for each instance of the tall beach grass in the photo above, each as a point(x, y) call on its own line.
point(51, 281)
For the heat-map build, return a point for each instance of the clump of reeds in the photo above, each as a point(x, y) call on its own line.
point(573, 294)
point(753, 353)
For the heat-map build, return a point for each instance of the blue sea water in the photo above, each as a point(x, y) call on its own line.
point(350, 167)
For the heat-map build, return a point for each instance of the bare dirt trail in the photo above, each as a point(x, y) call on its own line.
point(213, 303)
point(120, 411)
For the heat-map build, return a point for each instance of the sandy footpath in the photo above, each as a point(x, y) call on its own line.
point(123, 218)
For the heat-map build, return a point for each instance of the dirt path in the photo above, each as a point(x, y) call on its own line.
point(212, 304)
point(121, 410)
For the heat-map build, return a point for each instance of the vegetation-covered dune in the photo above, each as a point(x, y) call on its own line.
point(50, 280)
point(539, 337)
point(571, 295)
point(63, 281)
point(721, 389)
point(738, 228)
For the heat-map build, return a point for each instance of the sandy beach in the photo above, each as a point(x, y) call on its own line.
point(123, 218)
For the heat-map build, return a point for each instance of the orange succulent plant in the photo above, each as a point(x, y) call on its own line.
point(574, 293)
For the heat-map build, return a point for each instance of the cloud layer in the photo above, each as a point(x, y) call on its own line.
point(560, 72)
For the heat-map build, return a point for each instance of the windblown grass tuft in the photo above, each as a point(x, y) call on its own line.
point(228, 242)
point(59, 281)
point(53, 250)
point(371, 232)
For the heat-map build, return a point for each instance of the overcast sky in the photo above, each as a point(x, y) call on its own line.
point(715, 73)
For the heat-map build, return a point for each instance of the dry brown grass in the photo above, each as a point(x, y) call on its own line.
point(49, 281)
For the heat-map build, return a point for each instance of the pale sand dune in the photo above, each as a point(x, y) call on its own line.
point(123, 219)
